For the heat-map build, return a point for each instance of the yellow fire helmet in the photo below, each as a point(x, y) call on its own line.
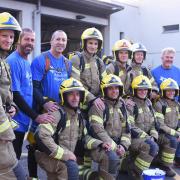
point(92, 33)
point(70, 85)
point(112, 80)
point(141, 82)
point(121, 45)
point(169, 84)
point(7, 21)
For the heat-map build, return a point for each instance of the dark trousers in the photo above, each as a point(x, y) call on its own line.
point(72, 169)
point(18, 143)
point(32, 164)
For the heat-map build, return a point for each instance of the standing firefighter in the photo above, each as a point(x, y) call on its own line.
point(121, 53)
point(57, 141)
point(88, 67)
point(110, 125)
point(9, 166)
point(167, 113)
point(139, 52)
point(143, 148)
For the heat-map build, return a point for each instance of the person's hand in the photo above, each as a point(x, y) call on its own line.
point(178, 139)
point(120, 150)
point(71, 156)
point(51, 106)
point(99, 104)
point(45, 118)
point(12, 111)
point(106, 146)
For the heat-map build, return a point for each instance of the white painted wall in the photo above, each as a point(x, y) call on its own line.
point(126, 21)
point(143, 22)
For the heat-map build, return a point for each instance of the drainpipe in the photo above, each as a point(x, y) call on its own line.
point(37, 28)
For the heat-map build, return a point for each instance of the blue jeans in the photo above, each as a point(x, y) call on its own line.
point(178, 150)
point(173, 141)
point(72, 169)
point(154, 148)
point(113, 162)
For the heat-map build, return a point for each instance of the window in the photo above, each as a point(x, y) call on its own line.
point(121, 35)
point(171, 28)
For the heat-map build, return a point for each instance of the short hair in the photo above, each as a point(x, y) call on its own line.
point(25, 30)
point(54, 33)
point(168, 50)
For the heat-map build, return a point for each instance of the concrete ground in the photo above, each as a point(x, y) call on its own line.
point(42, 174)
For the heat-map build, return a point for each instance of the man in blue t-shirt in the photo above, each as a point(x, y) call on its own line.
point(23, 89)
point(49, 70)
point(168, 70)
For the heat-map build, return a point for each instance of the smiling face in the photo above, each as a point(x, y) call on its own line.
point(6, 39)
point(27, 43)
point(112, 92)
point(58, 42)
point(92, 46)
point(142, 93)
point(170, 93)
point(167, 59)
point(73, 98)
point(139, 57)
point(123, 56)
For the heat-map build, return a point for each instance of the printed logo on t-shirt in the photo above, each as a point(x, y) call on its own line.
point(29, 78)
point(162, 78)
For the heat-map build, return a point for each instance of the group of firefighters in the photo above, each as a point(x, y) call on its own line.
point(110, 117)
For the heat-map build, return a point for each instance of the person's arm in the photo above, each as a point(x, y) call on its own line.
point(23, 106)
point(97, 125)
point(37, 93)
point(6, 132)
point(161, 120)
point(45, 141)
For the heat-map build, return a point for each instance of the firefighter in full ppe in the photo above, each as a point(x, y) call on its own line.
point(9, 166)
point(143, 147)
point(168, 115)
point(110, 125)
point(121, 53)
point(59, 142)
point(87, 67)
point(139, 52)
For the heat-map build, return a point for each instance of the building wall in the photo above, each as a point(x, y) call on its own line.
point(144, 23)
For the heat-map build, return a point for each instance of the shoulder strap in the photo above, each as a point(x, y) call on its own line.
point(128, 68)
point(105, 115)
point(116, 69)
point(68, 67)
point(164, 106)
point(47, 61)
point(145, 71)
point(61, 125)
point(124, 112)
point(99, 67)
point(82, 63)
point(135, 112)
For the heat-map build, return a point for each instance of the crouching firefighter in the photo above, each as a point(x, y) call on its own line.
point(110, 125)
point(57, 141)
point(143, 147)
point(167, 113)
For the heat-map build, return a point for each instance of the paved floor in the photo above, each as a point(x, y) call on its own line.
point(42, 174)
